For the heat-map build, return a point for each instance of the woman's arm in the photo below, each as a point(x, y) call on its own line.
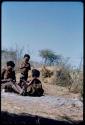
point(5, 80)
point(24, 66)
point(2, 73)
point(30, 82)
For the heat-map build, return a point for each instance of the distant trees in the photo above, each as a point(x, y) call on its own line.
point(7, 55)
point(49, 57)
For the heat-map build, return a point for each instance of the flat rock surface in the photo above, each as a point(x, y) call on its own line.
point(55, 107)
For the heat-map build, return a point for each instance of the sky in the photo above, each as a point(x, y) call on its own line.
point(44, 25)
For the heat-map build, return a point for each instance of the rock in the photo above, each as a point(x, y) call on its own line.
point(78, 103)
point(45, 106)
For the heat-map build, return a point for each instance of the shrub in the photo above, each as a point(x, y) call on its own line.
point(77, 84)
point(72, 79)
point(62, 77)
point(46, 72)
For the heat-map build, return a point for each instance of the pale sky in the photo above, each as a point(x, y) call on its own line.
point(39, 25)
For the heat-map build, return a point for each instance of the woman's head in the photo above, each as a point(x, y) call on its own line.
point(10, 65)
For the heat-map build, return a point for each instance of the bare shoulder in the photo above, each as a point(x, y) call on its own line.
point(37, 81)
point(3, 70)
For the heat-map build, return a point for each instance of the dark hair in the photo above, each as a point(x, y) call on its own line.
point(26, 55)
point(11, 63)
point(35, 73)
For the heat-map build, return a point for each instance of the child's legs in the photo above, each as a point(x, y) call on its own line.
point(17, 88)
point(12, 85)
point(22, 79)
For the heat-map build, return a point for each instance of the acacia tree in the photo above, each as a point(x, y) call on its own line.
point(49, 57)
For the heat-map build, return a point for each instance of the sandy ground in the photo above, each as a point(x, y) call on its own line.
point(58, 103)
point(47, 106)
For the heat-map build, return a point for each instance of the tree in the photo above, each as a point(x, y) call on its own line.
point(49, 57)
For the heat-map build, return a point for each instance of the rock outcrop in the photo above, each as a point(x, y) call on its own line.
point(53, 107)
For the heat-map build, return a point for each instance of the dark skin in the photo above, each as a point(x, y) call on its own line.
point(9, 69)
point(11, 81)
point(7, 80)
point(26, 60)
point(28, 83)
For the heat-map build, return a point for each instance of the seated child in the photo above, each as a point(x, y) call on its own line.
point(24, 68)
point(8, 78)
point(34, 87)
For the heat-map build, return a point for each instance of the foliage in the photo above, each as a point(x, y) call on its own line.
point(49, 57)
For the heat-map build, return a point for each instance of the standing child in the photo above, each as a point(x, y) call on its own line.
point(8, 78)
point(25, 67)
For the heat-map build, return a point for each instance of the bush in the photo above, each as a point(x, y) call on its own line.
point(46, 72)
point(77, 84)
point(62, 77)
point(69, 78)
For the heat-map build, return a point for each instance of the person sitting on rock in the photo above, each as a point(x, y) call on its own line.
point(34, 86)
point(8, 79)
point(24, 68)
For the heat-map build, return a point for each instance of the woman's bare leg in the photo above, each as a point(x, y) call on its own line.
point(17, 88)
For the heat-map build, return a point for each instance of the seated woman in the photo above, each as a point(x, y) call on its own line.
point(8, 79)
point(34, 86)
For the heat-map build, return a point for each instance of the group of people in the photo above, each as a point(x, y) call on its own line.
point(25, 86)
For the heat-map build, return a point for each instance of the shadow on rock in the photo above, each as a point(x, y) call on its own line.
point(9, 118)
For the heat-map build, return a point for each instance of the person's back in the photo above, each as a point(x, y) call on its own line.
point(35, 86)
point(36, 83)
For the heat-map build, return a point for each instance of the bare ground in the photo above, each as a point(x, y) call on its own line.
point(58, 103)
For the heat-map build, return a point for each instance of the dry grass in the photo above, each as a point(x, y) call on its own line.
point(51, 88)
point(70, 79)
point(60, 81)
